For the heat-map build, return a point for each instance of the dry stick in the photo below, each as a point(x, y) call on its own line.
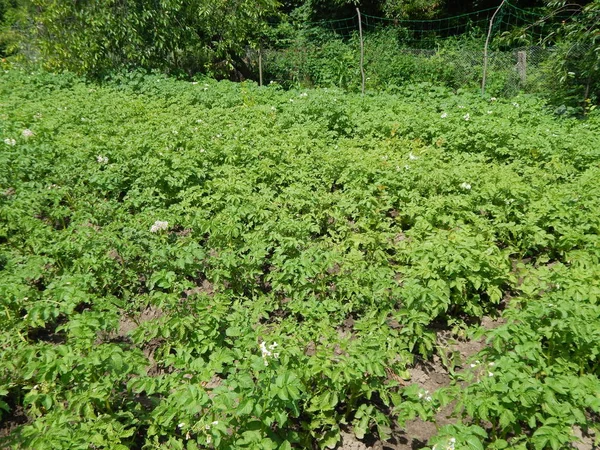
point(485, 50)
point(362, 51)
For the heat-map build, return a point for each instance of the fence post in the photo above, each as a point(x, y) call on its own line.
point(485, 49)
point(362, 52)
point(260, 75)
point(522, 66)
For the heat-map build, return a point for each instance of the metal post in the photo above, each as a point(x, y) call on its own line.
point(260, 74)
point(362, 52)
point(485, 50)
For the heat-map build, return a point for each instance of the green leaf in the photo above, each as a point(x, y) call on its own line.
point(245, 407)
point(233, 331)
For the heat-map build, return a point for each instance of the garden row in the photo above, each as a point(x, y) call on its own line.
point(209, 264)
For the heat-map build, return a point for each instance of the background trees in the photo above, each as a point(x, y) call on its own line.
point(175, 36)
point(576, 62)
point(187, 37)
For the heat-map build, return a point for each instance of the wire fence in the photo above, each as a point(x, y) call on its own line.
point(449, 50)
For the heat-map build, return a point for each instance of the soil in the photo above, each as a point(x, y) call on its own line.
point(128, 324)
point(10, 424)
point(430, 375)
point(586, 440)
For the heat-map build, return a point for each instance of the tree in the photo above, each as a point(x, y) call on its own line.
point(412, 8)
point(12, 16)
point(99, 36)
point(576, 62)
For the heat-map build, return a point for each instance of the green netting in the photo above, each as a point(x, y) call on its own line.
point(447, 50)
point(531, 26)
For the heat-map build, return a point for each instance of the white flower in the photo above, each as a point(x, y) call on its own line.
point(27, 133)
point(304, 94)
point(265, 353)
point(102, 159)
point(493, 99)
point(516, 105)
point(216, 422)
point(158, 226)
point(491, 364)
point(273, 108)
point(444, 115)
point(194, 82)
point(490, 112)
point(9, 141)
point(268, 352)
point(466, 186)
point(473, 365)
point(461, 107)
point(428, 398)
point(490, 374)
point(291, 100)
point(412, 157)
point(208, 439)
point(181, 425)
point(467, 116)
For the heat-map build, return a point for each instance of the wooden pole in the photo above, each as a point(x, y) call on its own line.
point(362, 52)
point(485, 49)
point(522, 66)
point(260, 74)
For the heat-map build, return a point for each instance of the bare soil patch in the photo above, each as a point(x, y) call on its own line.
point(430, 375)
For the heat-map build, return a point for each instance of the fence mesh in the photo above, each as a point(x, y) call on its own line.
point(450, 50)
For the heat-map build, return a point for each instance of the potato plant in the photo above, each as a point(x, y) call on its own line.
point(219, 265)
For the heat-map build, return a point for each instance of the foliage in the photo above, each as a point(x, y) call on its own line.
point(218, 265)
point(316, 57)
point(171, 35)
point(412, 8)
point(576, 64)
point(11, 13)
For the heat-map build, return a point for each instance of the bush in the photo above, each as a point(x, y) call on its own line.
point(321, 58)
point(175, 36)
